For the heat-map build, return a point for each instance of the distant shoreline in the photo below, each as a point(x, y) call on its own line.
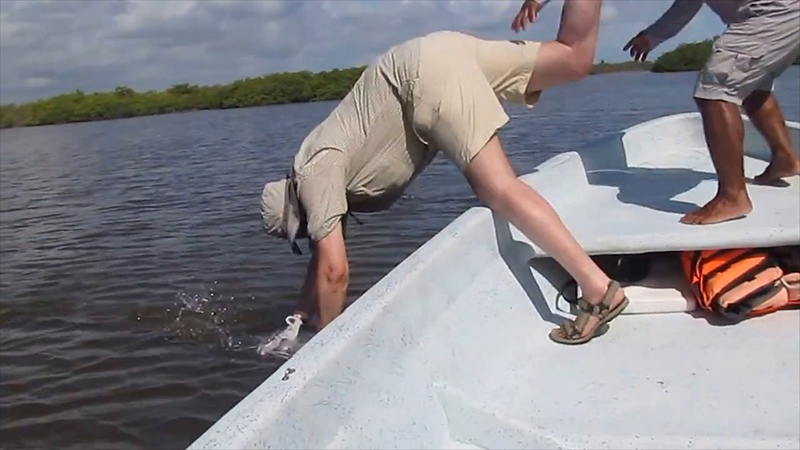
point(273, 89)
point(627, 66)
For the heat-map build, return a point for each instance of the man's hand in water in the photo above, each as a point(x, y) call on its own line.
point(527, 13)
point(640, 46)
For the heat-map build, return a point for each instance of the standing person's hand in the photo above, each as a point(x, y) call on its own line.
point(640, 46)
point(527, 13)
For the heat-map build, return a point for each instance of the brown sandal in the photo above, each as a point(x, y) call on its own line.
point(569, 333)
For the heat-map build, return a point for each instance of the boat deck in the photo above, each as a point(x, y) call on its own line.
point(653, 381)
point(619, 210)
point(450, 349)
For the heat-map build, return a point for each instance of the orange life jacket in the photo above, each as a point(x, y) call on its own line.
point(740, 283)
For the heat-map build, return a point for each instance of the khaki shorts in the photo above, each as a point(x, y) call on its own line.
point(454, 107)
point(752, 52)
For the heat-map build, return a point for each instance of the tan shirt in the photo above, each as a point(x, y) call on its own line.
point(438, 92)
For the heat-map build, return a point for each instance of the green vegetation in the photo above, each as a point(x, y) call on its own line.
point(627, 66)
point(124, 102)
point(686, 57)
point(295, 87)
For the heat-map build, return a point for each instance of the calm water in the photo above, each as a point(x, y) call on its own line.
point(135, 280)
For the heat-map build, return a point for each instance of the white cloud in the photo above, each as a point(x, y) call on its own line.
point(141, 14)
point(37, 82)
point(97, 45)
point(608, 13)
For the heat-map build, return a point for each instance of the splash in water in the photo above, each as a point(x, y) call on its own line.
point(205, 316)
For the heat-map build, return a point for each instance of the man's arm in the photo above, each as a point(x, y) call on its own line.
point(327, 277)
point(571, 55)
point(672, 21)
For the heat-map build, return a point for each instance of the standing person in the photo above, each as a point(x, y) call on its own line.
point(761, 41)
point(439, 92)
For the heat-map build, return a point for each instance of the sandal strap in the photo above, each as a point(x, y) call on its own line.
point(575, 328)
point(611, 291)
point(587, 307)
point(570, 331)
point(587, 310)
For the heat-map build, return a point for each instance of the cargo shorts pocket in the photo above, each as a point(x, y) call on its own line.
point(731, 71)
point(718, 67)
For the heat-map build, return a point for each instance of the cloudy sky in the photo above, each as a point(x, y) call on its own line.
point(50, 47)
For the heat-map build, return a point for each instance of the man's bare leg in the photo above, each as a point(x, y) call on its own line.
point(764, 112)
point(495, 183)
point(571, 56)
point(724, 132)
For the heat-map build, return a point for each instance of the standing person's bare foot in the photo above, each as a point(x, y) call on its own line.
point(720, 209)
point(783, 165)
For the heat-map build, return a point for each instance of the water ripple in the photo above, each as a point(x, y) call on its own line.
point(136, 283)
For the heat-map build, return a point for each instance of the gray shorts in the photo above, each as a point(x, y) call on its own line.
point(755, 49)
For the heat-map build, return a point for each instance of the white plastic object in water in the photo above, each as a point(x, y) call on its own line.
point(282, 343)
point(409, 365)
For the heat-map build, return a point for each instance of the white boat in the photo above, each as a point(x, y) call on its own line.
point(450, 349)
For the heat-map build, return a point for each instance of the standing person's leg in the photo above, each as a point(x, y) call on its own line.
point(764, 112)
point(749, 55)
point(724, 133)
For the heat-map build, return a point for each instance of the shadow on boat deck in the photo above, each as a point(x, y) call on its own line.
point(605, 162)
point(517, 256)
point(653, 188)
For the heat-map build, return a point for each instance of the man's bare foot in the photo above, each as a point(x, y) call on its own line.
point(783, 165)
point(720, 209)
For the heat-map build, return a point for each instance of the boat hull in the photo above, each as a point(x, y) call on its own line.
point(450, 349)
